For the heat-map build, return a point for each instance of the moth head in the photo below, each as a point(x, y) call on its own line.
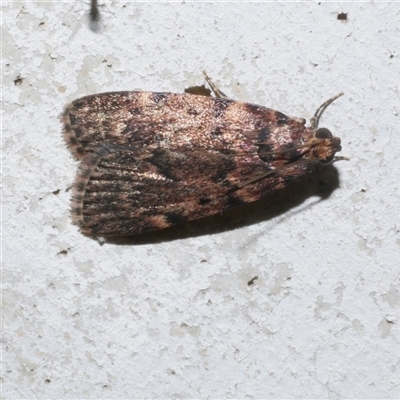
point(325, 144)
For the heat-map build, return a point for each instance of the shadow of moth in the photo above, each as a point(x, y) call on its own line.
point(152, 160)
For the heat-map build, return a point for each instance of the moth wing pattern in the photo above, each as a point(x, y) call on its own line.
point(120, 191)
point(151, 160)
point(175, 121)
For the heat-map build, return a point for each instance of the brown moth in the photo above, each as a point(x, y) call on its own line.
point(151, 160)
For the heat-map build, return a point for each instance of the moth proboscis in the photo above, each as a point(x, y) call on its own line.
point(151, 160)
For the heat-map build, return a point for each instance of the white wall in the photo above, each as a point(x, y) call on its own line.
point(171, 314)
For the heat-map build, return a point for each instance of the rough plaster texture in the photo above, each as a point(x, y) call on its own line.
point(172, 314)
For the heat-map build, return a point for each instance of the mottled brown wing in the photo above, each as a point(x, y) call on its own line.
point(181, 122)
point(120, 190)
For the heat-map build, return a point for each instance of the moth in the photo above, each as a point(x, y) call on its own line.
point(150, 160)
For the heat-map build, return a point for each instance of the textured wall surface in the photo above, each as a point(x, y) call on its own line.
point(176, 313)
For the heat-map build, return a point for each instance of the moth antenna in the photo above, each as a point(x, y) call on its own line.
point(315, 119)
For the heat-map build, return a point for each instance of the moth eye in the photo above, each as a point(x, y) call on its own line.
point(323, 133)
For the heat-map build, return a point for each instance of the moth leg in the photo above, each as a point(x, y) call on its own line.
point(216, 91)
